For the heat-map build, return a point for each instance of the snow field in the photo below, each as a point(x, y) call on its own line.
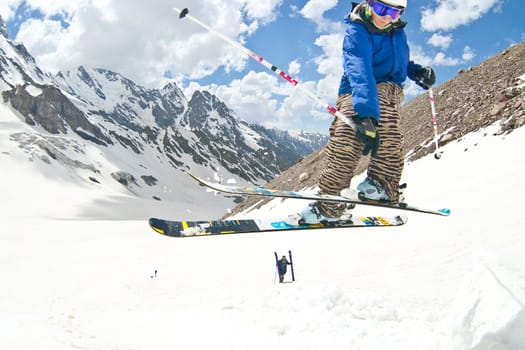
point(436, 283)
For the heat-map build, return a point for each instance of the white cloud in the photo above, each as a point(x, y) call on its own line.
point(294, 68)
point(47, 8)
point(329, 64)
point(142, 40)
point(296, 108)
point(449, 14)
point(33, 36)
point(441, 59)
point(419, 55)
point(262, 10)
point(251, 97)
point(7, 8)
point(439, 40)
point(265, 98)
point(314, 10)
point(468, 54)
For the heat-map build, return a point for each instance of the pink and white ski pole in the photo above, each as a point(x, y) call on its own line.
point(184, 13)
point(437, 154)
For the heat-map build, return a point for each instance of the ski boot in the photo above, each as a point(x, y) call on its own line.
point(310, 215)
point(372, 189)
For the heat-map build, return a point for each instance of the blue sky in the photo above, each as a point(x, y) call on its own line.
point(147, 42)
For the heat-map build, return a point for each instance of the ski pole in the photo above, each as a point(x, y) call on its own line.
point(184, 13)
point(437, 154)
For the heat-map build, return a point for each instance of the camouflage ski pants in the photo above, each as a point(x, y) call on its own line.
point(343, 151)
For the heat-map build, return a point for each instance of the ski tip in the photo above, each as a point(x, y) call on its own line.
point(196, 178)
point(156, 225)
point(444, 211)
point(183, 12)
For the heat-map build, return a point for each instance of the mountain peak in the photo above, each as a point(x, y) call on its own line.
point(141, 135)
point(3, 28)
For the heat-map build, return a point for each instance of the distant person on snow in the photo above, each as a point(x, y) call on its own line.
point(376, 62)
point(281, 268)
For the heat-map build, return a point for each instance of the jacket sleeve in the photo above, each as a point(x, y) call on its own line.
point(357, 65)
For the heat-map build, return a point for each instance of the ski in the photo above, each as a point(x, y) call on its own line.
point(291, 265)
point(276, 267)
point(260, 191)
point(186, 228)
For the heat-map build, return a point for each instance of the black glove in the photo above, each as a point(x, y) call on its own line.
point(425, 77)
point(366, 132)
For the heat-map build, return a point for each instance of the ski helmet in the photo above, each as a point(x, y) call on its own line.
point(395, 3)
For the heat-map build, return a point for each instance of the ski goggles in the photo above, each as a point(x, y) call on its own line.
point(382, 9)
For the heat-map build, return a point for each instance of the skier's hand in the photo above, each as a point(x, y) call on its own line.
point(366, 132)
point(425, 77)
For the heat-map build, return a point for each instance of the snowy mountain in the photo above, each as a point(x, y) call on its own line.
point(107, 131)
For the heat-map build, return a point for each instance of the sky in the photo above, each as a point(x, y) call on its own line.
point(436, 283)
point(147, 42)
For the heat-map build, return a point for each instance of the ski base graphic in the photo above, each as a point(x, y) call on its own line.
point(186, 228)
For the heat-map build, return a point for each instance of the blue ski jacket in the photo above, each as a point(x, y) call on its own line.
point(281, 266)
point(370, 57)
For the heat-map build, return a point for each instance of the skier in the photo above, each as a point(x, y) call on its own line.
point(376, 62)
point(281, 268)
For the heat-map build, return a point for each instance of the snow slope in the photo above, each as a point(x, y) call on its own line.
point(434, 284)
point(36, 188)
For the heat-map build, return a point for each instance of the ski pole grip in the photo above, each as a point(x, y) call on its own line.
point(183, 12)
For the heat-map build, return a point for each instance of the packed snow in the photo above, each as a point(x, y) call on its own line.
point(436, 283)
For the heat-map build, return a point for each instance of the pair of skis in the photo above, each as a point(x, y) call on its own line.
point(188, 228)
